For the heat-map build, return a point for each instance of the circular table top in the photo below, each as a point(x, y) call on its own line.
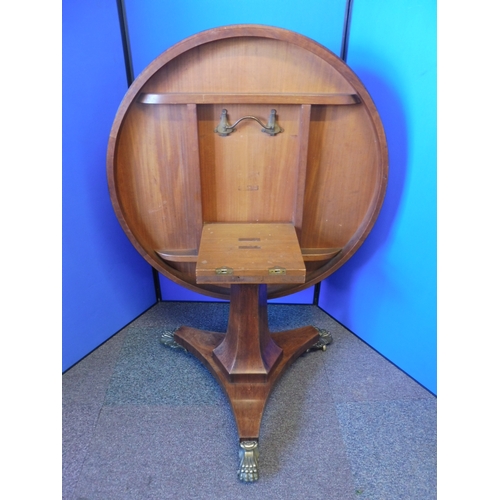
point(247, 123)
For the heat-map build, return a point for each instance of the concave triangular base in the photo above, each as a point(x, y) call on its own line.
point(247, 360)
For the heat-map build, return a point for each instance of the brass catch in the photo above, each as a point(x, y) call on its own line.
point(277, 270)
point(223, 270)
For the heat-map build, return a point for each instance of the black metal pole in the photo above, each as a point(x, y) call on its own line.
point(347, 28)
point(129, 69)
point(343, 56)
point(127, 55)
point(317, 287)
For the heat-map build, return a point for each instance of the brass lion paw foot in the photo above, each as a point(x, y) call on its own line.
point(249, 455)
point(325, 338)
point(167, 338)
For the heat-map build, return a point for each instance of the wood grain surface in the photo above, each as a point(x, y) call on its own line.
point(169, 173)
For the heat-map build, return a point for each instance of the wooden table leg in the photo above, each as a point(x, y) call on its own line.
point(247, 361)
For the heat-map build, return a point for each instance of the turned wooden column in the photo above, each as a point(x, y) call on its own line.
point(248, 353)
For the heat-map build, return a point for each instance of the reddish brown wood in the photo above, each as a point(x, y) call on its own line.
point(304, 126)
point(169, 173)
point(191, 255)
point(249, 250)
point(261, 98)
point(248, 354)
point(248, 360)
point(193, 172)
point(322, 179)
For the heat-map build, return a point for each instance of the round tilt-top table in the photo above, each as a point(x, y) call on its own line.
point(247, 162)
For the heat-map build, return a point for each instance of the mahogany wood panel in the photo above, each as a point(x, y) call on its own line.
point(248, 65)
point(248, 176)
point(302, 155)
point(249, 250)
point(169, 172)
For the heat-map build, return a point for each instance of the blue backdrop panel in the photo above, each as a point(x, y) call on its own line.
point(386, 293)
point(106, 284)
point(156, 25)
point(173, 291)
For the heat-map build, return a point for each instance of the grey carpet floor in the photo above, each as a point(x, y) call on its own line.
point(143, 421)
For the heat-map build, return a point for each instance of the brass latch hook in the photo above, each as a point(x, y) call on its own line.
point(272, 128)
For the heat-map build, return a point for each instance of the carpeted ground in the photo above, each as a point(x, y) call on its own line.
point(146, 422)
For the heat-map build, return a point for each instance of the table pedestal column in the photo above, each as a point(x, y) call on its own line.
point(247, 361)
